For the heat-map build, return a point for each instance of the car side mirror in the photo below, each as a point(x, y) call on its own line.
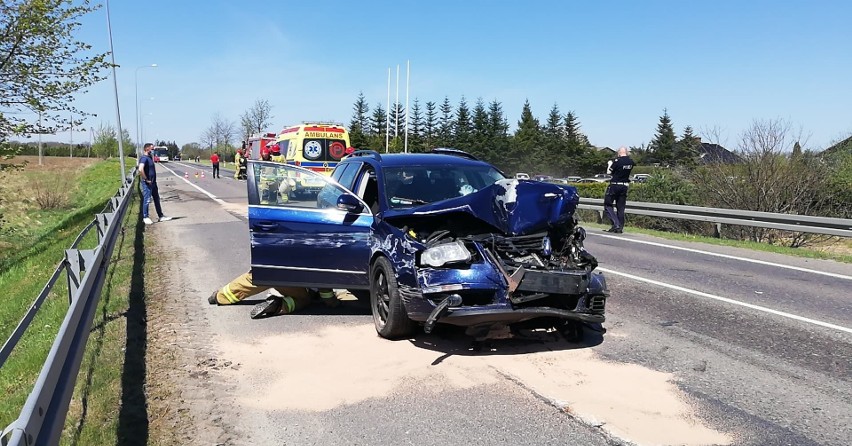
point(349, 203)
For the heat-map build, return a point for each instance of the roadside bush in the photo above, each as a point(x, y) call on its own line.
point(668, 187)
point(775, 175)
point(51, 192)
point(591, 190)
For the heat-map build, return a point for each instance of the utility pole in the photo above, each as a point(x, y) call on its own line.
point(117, 112)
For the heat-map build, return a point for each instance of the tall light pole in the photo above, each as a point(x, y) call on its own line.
point(117, 112)
point(136, 82)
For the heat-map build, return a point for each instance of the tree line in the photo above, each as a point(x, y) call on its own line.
point(555, 146)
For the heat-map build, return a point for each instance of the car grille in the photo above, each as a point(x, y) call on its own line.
point(521, 244)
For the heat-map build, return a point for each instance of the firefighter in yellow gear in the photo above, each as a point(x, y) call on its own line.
point(272, 182)
point(285, 300)
point(275, 153)
point(240, 165)
point(286, 181)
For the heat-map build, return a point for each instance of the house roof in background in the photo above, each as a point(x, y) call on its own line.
point(710, 153)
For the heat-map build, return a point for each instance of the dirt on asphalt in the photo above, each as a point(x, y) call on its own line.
point(188, 400)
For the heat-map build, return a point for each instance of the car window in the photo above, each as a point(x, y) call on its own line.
point(414, 185)
point(291, 186)
point(338, 171)
point(347, 178)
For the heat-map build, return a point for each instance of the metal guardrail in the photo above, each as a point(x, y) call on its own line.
point(43, 416)
point(800, 223)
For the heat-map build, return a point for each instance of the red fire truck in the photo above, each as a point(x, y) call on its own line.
point(256, 141)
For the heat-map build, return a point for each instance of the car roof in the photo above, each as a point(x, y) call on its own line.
point(420, 159)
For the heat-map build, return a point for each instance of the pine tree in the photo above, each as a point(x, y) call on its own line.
point(445, 126)
point(415, 129)
point(686, 153)
point(797, 151)
point(553, 156)
point(499, 140)
point(359, 126)
point(464, 131)
point(573, 137)
point(479, 132)
point(430, 126)
point(527, 142)
point(664, 142)
point(397, 121)
point(378, 126)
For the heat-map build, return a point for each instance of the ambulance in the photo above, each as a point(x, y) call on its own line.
point(316, 146)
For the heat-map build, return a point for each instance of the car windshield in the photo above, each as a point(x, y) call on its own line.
point(413, 185)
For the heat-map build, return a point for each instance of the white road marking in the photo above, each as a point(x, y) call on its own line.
point(212, 197)
point(725, 256)
point(727, 300)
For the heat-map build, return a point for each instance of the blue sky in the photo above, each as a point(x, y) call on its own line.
point(716, 65)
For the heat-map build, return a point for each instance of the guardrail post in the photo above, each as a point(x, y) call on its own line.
point(717, 231)
point(77, 261)
point(104, 223)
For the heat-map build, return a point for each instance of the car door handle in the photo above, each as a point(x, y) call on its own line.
point(265, 226)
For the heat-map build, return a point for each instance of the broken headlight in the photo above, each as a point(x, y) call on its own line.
point(445, 253)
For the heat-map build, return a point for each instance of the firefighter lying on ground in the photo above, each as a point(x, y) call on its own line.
point(279, 300)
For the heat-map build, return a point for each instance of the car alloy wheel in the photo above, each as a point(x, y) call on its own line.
point(389, 314)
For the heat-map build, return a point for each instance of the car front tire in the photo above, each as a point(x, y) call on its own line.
point(389, 314)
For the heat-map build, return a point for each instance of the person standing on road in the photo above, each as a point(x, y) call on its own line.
point(214, 160)
point(148, 184)
point(241, 164)
point(616, 192)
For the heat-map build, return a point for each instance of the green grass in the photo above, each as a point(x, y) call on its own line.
point(26, 269)
point(32, 230)
point(798, 252)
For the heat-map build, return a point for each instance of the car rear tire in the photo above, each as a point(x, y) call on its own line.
point(389, 314)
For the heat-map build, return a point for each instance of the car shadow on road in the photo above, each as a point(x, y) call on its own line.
point(453, 341)
point(317, 308)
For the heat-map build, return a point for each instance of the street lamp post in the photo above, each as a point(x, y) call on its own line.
point(136, 82)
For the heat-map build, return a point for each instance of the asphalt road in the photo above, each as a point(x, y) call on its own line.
point(704, 345)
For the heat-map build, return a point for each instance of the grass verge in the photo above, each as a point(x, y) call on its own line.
point(109, 383)
point(837, 251)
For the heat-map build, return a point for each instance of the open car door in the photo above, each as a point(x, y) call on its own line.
point(317, 241)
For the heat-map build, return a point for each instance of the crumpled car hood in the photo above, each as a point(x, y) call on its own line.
point(514, 207)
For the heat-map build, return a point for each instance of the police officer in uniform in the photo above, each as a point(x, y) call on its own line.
point(616, 192)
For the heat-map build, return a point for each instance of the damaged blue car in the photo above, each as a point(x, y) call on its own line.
point(436, 238)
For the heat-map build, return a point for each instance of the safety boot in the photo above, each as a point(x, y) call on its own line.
point(270, 307)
